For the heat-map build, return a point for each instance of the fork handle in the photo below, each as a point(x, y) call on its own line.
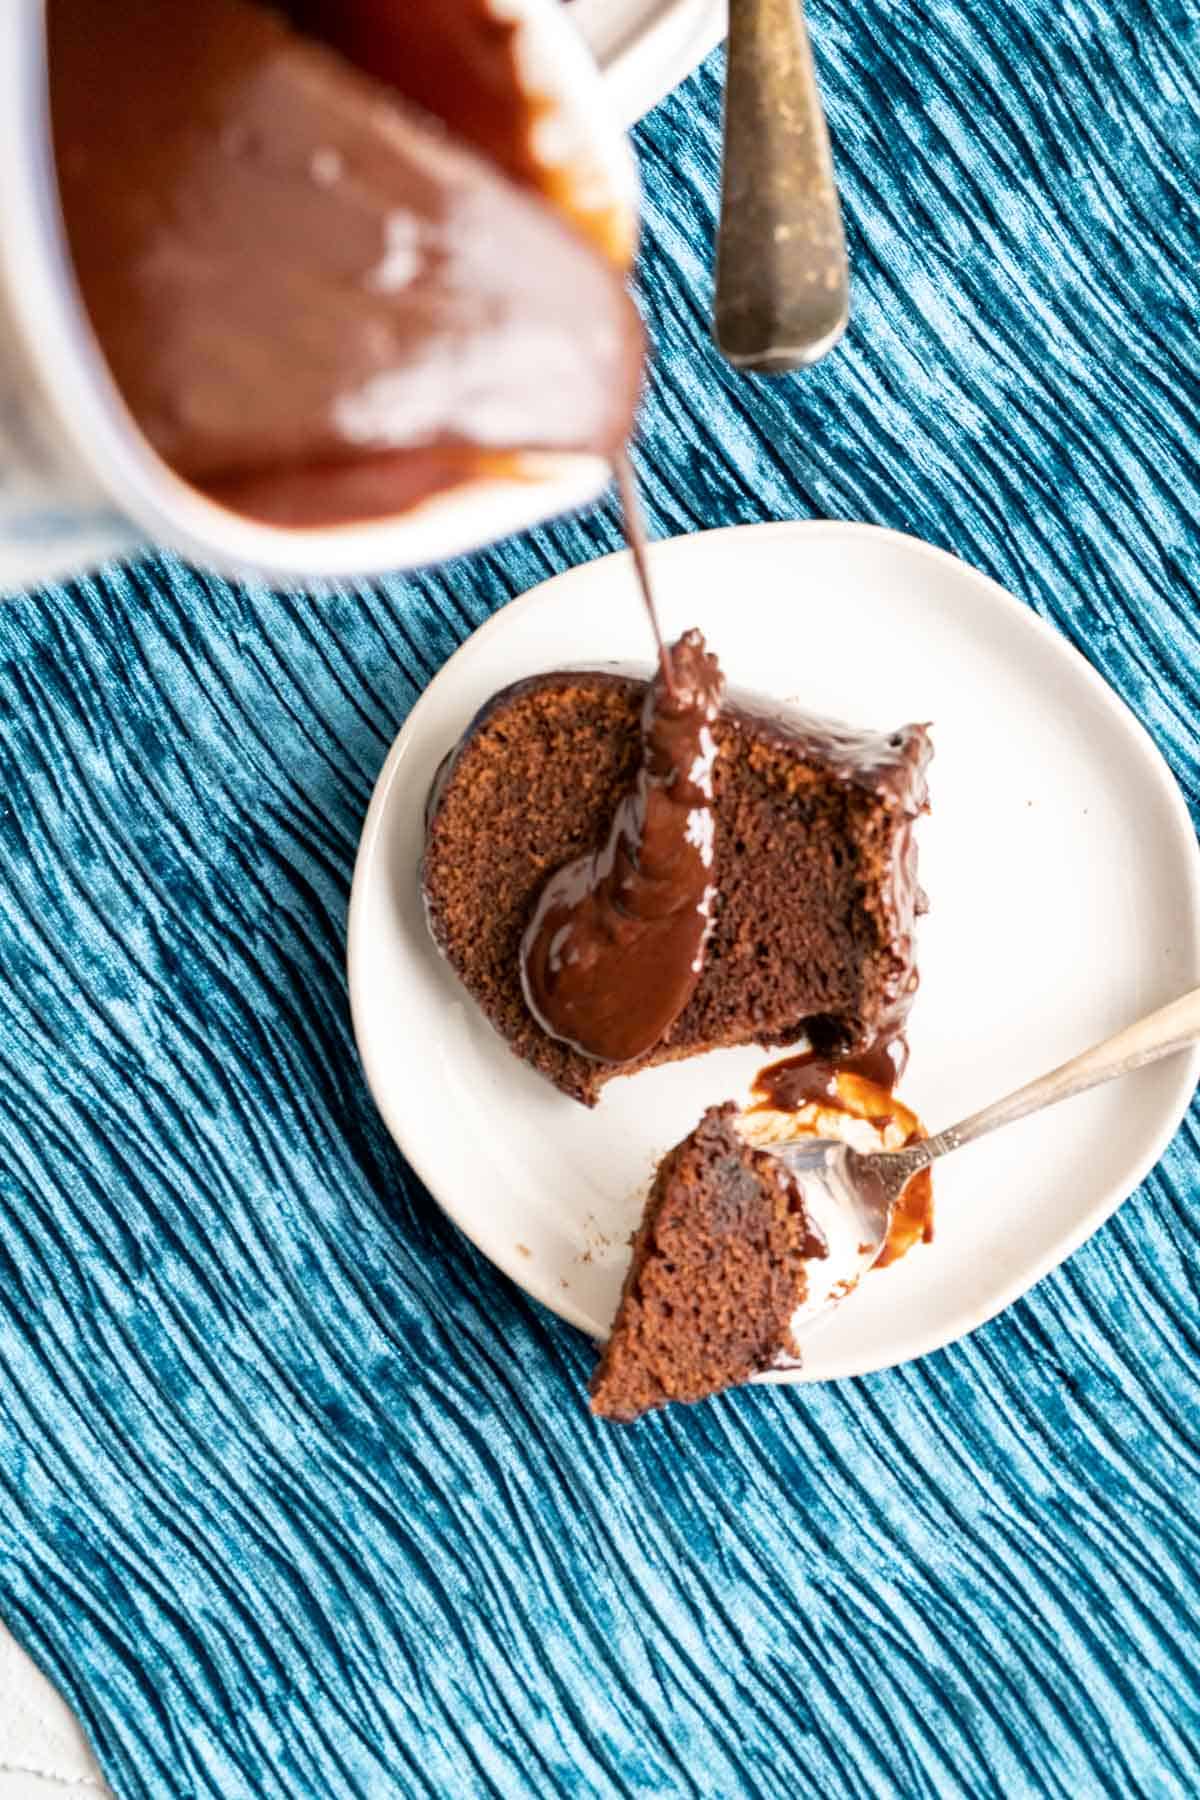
point(783, 285)
point(1162, 1033)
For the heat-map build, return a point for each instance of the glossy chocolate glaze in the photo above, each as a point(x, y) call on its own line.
point(616, 941)
point(316, 302)
point(811, 1077)
point(882, 762)
point(463, 73)
point(466, 75)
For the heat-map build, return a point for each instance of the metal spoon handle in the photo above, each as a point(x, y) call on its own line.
point(783, 285)
point(1162, 1033)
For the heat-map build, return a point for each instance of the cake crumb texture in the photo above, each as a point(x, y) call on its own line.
point(719, 1267)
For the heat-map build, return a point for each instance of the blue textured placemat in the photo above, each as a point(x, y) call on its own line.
point(297, 1497)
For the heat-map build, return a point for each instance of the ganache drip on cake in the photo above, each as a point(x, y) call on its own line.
point(615, 945)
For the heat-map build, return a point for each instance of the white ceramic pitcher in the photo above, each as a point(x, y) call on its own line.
point(79, 482)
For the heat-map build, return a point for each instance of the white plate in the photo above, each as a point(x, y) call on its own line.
point(646, 47)
point(1065, 889)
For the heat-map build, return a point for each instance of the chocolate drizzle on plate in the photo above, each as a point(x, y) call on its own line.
point(812, 1076)
point(815, 1079)
point(616, 942)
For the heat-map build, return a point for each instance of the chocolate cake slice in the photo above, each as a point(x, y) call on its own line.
point(719, 1267)
point(815, 866)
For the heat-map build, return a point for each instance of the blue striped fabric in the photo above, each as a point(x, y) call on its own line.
point(297, 1497)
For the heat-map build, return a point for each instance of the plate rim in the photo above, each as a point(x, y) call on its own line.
point(988, 590)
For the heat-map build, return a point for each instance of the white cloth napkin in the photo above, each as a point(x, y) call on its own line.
point(43, 1752)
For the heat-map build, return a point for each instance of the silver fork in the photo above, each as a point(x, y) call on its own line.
point(853, 1194)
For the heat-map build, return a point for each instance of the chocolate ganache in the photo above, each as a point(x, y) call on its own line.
point(813, 1074)
point(616, 942)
